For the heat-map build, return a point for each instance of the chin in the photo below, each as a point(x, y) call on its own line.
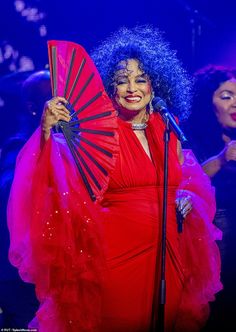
point(134, 108)
point(232, 125)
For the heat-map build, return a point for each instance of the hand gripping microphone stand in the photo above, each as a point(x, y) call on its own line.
point(159, 298)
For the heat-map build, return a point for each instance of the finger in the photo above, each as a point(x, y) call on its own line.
point(184, 202)
point(231, 155)
point(59, 99)
point(61, 107)
point(56, 101)
point(186, 211)
point(63, 118)
point(60, 114)
point(178, 202)
point(58, 109)
point(186, 205)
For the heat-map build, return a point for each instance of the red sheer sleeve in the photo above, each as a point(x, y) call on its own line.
point(55, 237)
point(199, 249)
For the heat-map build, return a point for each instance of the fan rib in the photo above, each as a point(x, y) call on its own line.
point(82, 89)
point(77, 78)
point(69, 72)
point(54, 70)
point(89, 118)
point(82, 108)
point(93, 131)
point(99, 166)
point(88, 169)
point(83, 175)
point(95, 146)
point(69, 107)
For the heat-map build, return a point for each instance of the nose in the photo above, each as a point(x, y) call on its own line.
point(234, 101)
point(131, 88)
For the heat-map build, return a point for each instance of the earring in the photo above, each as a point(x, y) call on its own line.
point(151, 109)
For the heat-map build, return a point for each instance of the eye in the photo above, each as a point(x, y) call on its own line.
point(119, 82)
point(226, 97)
point(141, 80)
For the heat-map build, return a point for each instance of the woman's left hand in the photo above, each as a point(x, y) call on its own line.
point(184, 204)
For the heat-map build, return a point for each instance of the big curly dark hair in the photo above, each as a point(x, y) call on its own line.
point(146, 44)
point(202, 128)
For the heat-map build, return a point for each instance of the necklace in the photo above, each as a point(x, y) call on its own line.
point(139, 126)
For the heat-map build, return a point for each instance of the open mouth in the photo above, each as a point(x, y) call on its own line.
point(133, 99)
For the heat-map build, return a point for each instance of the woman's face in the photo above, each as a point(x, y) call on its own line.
point(132, 88)
point(224, 101)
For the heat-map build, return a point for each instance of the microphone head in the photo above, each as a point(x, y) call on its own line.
point(159, 104)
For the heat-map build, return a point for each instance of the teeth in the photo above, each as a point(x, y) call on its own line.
point(133, 98)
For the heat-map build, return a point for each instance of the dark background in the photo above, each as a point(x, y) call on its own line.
point(201, 31)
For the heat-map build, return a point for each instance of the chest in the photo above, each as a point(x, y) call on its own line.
point(141, 136)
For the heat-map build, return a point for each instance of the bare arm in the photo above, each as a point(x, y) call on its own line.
point(213, 165)
point(180, 153)
point(183, 200)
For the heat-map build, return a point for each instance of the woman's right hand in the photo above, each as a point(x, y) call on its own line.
point(54, 110)
point(230, 151)
point(214, 164)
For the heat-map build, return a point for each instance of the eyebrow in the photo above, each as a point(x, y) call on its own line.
point(226, 90)
point(126, 75)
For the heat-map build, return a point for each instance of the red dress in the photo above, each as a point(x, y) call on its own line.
point(65, 245)
point(132, 225)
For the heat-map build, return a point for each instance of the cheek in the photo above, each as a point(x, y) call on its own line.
point(148, 95)
point(117, 97)
point(118, 92)
point(148, 91)
point(220, 108)
point(221, 113)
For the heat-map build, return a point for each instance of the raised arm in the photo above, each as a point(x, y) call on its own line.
point(54, 110)
point(213, 165)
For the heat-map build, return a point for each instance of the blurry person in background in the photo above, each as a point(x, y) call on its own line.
point(11, 104)
point(18, 302)
point(211, 129)
point(35, 90)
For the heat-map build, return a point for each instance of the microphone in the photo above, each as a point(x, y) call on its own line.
point(160, 106)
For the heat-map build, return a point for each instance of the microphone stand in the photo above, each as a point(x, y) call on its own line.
point(159, 299)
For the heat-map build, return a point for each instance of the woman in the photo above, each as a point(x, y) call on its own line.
point(138, 65)
point(215, 145)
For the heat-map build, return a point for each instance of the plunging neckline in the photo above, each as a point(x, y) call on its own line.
point(149, 156)
point(129, 125)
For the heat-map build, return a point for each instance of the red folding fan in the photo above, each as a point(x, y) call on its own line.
point(91, 133)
